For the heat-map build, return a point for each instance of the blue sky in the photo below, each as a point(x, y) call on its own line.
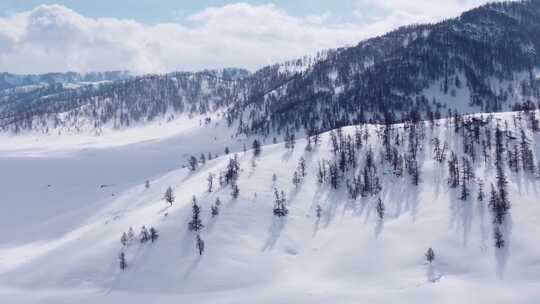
point(155, 11)
point(156, 36)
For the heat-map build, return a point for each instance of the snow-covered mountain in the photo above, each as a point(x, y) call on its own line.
point(402, 169)
point(11, 81)
point(486, 60)
point(68, 204)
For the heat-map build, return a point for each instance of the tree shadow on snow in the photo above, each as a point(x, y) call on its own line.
point(502, 254)
point(274, 232)
point(379, 228)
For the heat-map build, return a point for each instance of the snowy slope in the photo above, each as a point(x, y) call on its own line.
point(66, 241)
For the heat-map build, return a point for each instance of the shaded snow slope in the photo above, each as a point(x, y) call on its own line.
point(63, 241)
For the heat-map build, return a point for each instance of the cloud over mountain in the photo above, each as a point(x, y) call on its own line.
point(56, 38)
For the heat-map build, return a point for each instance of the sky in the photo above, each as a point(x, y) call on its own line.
point(157, 36)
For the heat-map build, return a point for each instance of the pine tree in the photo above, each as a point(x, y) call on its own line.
point(193, 163)
point(296, 179)
point(202, 159)
point(169, 196)
point(131, 235)
point(480, 197)
point(200, 244)
point(124, 239)
point(499, 241)
point(122, 260)
point(235, 192)
point(280, 209)
point(144, 236)
point(318, 211)
point(233, 168)
point(153, 234)
point(195, 224)
point(256, 148)
point(214, 210)
point(380, 209)
point(430, 255)
point(210, 181)
point(302, 167)
point(464, 190)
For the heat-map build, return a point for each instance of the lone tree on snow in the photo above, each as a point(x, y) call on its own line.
point(124, 239)
point(193, 163)
point(430, 255)
point(153, 234)
point(122, 260)
point(195, 224)
point(169, 196)
point(210, 180)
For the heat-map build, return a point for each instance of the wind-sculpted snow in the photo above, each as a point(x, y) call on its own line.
point(65, 210)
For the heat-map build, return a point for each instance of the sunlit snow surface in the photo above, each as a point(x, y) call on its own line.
point(66, 200)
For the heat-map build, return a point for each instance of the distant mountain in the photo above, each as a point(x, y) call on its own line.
point(9, 81)
point(486, 60)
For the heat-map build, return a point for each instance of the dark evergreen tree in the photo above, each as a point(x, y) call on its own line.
point(481, 194)
point(296, 179)
point(124, 239)
point(235, 192)
point(318, 211)
point(122, 260)
point(169, 196)
point(302, 167)
point(210, 180)
point(280, 209)
point(144, 236)
point(499, 240)
point(153, 234)
point(131, 235)
point(195, 224)
point(380, 209)
point(215, 210)
point(430, 255)
point(200, 244)
point(193, 163)
point(256, 148)
point(202, 159)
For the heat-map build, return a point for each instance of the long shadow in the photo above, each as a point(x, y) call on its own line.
point(379, 228)
point(482, 219)
point(193, 266)
point(502, 254)
point(274, 232)
point(287, 155)
point(316, 227)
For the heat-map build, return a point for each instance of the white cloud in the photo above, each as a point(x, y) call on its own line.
point(55, 38)
point(402, 12)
